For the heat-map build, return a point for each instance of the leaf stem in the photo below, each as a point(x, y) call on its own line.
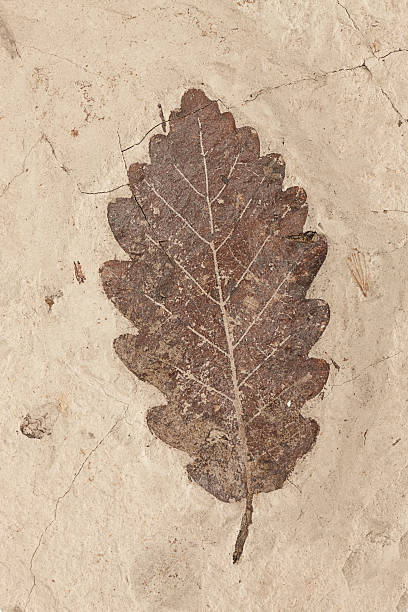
point(246, 521)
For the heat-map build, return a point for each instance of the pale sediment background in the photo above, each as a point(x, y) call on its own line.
point(96, 513)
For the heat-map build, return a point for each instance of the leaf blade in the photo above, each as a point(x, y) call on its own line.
point(217, 288)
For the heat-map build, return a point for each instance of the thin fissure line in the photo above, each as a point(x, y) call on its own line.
point(370, 365)
point(188, 326)
point(23, 167)
point(172, 259)
point(62, 497)
point(258, 316)
point(101, 192)
point(152, 187)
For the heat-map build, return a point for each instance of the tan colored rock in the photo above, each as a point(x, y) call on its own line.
point(100, 515)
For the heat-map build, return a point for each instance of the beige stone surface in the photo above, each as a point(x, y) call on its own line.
point(96, 513)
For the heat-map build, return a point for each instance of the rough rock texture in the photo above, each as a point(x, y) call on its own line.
point(100, 514)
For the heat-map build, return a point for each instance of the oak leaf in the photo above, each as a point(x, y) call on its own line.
point(216, 285)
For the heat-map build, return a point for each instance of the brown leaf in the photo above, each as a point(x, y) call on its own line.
point(216, 285)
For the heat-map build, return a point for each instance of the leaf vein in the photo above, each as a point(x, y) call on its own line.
point(183, 269)
point(261, 363)
point(194, 331)
point(180, 216)
point(188, 181)
point(259, 315)
point(249, 266)
point(195, 379)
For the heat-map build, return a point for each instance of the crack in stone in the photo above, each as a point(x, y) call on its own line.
point(252, 97)
point(255, 95)
point(349, 16)
point(392, 53)
point(317, 77)
point(99, 192)
point(355, 26)
point(387, 95)
point(23, 170)
point(61, 165)
point(402, 119)
point(63, 59)
point(397, 248)
point(61, 497)
point(371, 365)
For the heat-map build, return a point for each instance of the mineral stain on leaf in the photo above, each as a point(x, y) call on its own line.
point(216, 284)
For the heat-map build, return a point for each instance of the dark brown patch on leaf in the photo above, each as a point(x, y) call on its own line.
point(216, 285)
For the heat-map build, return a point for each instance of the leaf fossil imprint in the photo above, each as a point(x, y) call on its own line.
point(216, 285)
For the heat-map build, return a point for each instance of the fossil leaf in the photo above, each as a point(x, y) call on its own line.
point(216, 285)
